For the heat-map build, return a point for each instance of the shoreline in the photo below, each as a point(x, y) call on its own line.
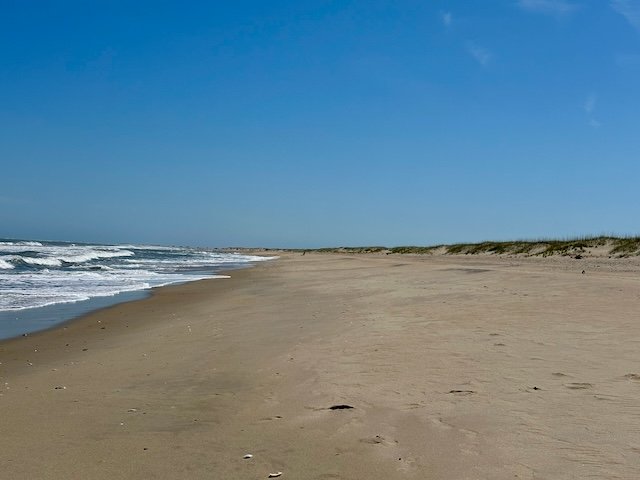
point(456, 368)
point(77, 322)
point(69, 311)
point(66, 312)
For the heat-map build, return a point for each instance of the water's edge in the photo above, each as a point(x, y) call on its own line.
point(19, 323)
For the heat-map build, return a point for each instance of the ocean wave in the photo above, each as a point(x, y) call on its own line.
point(205, 259)
point(22, 244)
point(36, 274)
point(159, 248)
point(38, 290)
point(4, 265)
point(95, 255)
point(59, 260)
point(45, 262)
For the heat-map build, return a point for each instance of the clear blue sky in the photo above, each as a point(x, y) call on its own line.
point(317, 123)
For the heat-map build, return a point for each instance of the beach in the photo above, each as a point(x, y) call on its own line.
point(456, 366)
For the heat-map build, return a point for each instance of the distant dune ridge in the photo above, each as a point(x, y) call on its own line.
point(591, 246)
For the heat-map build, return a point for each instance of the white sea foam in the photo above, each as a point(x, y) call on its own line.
point(46, 262)
point(35, 274)
point(4, 265)
point(94, 255)
point(25, 244)
point(144, 247)
point(206, 258)
point(41, 289)
point(253, 258)
point(54, 257)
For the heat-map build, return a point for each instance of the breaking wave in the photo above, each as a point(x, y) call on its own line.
point(35, 274)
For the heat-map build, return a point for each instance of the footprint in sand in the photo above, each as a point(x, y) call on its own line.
point(373, 440)
point(269, 419)
point(578, 385)
point(377, 440)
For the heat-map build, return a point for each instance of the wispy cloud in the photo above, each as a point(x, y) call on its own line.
point(481, 55)
point(629, 9)
point(589, 107)
point(447, 18)
point(548, 7)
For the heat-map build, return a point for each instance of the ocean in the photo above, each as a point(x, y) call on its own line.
point(44, 283)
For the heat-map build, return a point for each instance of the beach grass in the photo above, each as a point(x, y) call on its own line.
point(576, 246)
point(626, 246)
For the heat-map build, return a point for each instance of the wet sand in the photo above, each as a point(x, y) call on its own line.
point(457, 368)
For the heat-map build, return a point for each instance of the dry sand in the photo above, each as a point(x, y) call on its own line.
point(457, 368)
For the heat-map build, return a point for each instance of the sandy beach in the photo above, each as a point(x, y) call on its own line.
point(457, 367)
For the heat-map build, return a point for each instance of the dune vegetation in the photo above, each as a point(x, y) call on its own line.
point(576, 247)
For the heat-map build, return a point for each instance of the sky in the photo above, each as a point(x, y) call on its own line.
point(318, 123)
